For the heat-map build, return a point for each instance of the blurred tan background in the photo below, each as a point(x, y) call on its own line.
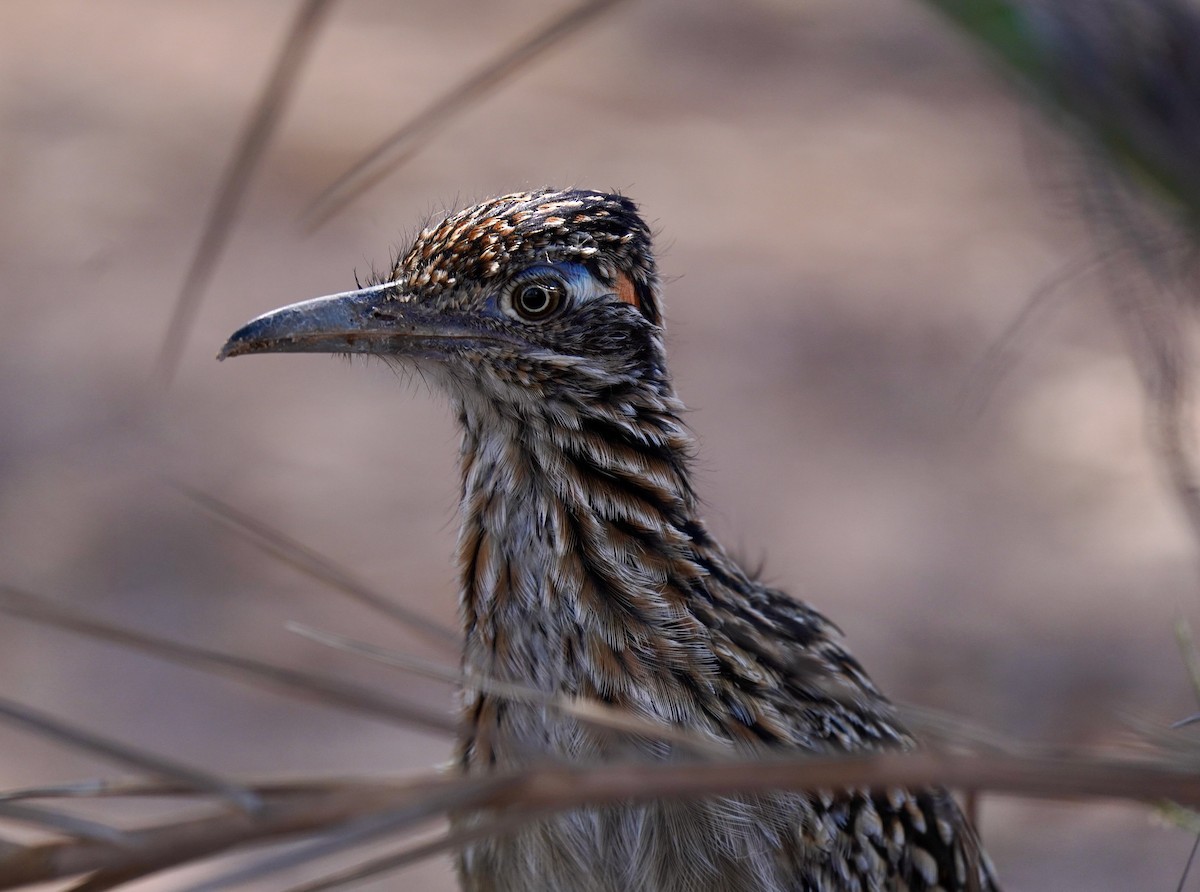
point(851, 210)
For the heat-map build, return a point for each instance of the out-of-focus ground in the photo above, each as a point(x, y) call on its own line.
point(851, 209)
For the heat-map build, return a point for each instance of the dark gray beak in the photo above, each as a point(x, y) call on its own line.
point(374, 320)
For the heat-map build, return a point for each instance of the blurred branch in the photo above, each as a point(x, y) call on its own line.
point(396, 148)
point(54, 820)
point(158, 846)
point(413, 810)
point(330, 691)
point(157, 766)
point(538, 792)
point(311, 563)
point(450, 841)
point(236, 178)
point(985, 377)
point(587, 710)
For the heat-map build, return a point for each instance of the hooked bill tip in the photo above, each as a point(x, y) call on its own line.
point(331, 324)
point(245, 340)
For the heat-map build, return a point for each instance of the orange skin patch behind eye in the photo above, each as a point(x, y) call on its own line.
point(626, 292)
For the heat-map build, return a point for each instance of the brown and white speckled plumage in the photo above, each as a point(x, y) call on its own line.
point(587, 571)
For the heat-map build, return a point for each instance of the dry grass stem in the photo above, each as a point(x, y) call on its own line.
point(236, 179)
point(592, 712)
point(324, 689)
point(401, 144)
point(315, 565)
point(123, 754)
point(345, 806)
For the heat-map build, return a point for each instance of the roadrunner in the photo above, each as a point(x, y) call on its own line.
point(587, 571)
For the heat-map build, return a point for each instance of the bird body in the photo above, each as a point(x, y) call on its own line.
point(588, 572)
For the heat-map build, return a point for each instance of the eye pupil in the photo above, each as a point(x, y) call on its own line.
point(537, 300)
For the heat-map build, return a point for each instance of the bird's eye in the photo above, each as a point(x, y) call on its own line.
point(537, 300)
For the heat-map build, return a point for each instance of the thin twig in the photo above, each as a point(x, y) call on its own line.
point(362, 830)
point(401, 144)
point(554, 788)
point(327, 690)
point(262, 123)
point(310, 562)
point(983, 380)
point(168, 844)
point(157, 766)
point(1187, 867)
point(452, 840)
point(586, 710)
point(36, 816)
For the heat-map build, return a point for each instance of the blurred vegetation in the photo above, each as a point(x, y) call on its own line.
point(1126, 73)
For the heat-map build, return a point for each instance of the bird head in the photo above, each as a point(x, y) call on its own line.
point(545, 295)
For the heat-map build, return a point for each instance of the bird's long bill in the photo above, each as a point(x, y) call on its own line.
point(365, 321)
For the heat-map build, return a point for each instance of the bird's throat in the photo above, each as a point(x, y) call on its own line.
point(575, 550)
